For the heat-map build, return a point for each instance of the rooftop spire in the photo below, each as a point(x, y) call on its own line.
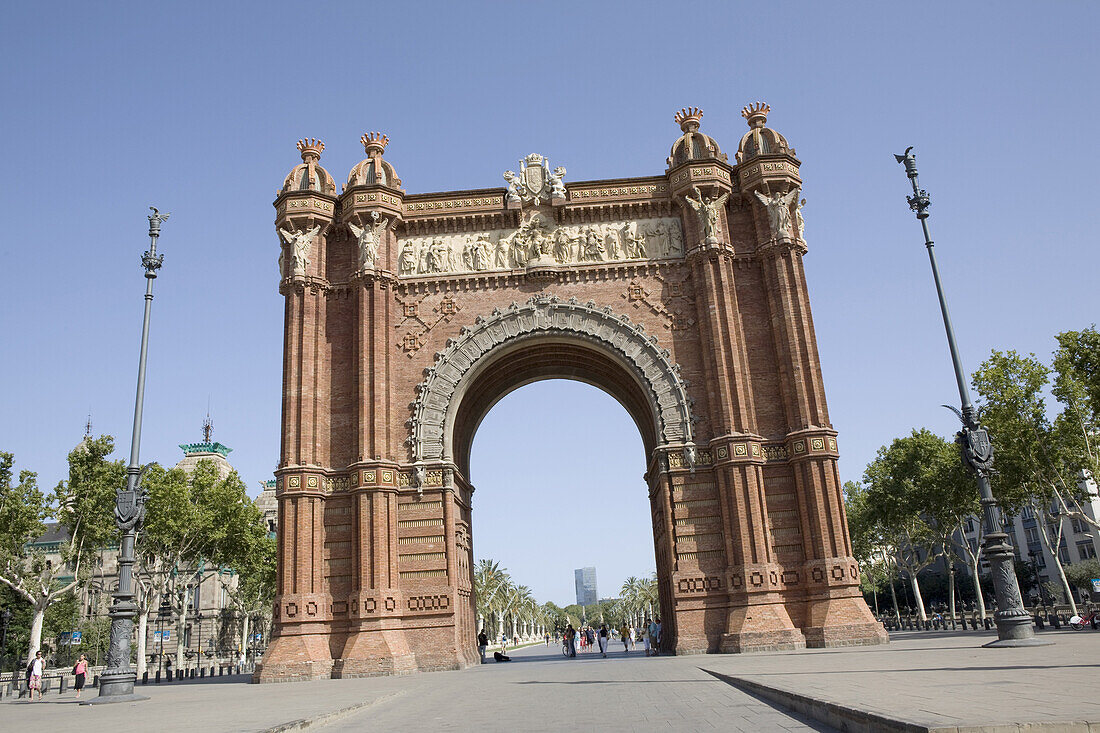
point(207, 428)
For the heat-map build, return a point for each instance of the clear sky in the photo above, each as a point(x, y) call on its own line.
point(195, 108)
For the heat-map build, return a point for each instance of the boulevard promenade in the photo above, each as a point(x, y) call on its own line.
point(921, 681)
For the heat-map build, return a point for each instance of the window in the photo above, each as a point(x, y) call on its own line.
point(1079, 527)
point(1086, 550)
point(1026, 513)
point(1032, 535)
point(1063, 555)
point(969, 525)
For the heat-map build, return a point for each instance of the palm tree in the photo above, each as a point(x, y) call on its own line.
point(491, 584)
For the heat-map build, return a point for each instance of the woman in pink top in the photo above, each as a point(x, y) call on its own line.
point(81, 671)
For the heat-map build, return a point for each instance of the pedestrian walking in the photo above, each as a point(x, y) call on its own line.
point(34, 674)
point(602, 638)
point(547, 639)
point(571, 640)
point(80, 671)
point(654, 633)
point(624, 634)
point(503, 642)
point(482, 644)
point(633, 637)
point(645, 634)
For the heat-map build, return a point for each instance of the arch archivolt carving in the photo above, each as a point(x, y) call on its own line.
point(434, 408)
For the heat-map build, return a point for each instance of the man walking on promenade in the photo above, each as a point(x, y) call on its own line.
point(625, 635)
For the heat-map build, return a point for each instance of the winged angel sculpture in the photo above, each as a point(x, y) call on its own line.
point(300, 241)
point(367, 237)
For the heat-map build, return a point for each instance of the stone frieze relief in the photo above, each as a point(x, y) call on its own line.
point(539, 241)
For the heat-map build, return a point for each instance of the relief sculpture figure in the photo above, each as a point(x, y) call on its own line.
point(557, 185)
point(635, 244)
point(500, 254)
point(407, 263)
point(708, 210)
point(593, 245)
point(513, 186)
point(778, 206)
point(300, 241)
point(563, 246)
point(438, 256)
point(368, 239)
point(611, 242)
point(799, 221)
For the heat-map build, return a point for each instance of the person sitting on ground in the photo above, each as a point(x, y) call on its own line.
point(501, 657)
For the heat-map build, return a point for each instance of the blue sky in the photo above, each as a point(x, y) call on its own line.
point(196, 108)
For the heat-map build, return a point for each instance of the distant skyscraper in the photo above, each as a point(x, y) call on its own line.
point(586, 586)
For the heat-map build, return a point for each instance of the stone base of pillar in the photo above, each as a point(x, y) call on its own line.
point(760, 627)
point(844, 621)
point(376, 653)
point(294, 658)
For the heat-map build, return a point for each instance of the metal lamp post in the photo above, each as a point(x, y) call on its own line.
point(117, 683)
point(1013, 624)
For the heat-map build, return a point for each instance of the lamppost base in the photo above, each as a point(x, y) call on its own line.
point(108, 699)
point(1003, 643)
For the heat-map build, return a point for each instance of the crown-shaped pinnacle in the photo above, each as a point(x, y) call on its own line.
point(375, 140)
point(756, 113)
point(310, 148)
point(688, 118)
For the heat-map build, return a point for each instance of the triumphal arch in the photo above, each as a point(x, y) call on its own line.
point(683, 295)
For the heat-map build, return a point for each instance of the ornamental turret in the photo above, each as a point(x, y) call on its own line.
point(303, 211)
point(700, 180)
point(372, 204)
point(768, 174)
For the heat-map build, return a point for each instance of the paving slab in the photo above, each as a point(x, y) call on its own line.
point(925, 681)
point(939, 680)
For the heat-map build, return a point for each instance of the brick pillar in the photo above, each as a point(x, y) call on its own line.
point(758, 618)
point(303, 605)
point(834, 612)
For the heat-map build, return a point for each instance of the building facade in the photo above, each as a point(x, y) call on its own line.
point(682, 294)
point(585, 581)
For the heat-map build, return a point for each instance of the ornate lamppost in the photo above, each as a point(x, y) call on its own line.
point(1013, 623)
point(117, 682)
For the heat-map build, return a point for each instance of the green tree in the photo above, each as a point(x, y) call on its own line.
point(1081, 574)
point(916, 495)
point(197, 525)
point(252, 555)
point(1035, 467)
point(877, 570)
point(1077, 387)
point(83, 505)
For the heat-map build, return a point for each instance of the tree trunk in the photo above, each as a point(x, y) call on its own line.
point(917, 598)
point(977, 587)
point(894, 597)
point(36, 631)
point(1065, 584)
point(245, 640)
point(181, 624)
point(142, 628)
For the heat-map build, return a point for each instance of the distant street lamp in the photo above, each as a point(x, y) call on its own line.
point(1013, 623)
point(117, 682)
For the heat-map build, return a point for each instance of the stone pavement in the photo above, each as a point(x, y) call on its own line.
point(938, 681)
point(943, 680)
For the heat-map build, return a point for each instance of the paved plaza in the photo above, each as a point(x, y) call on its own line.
point(932, 681)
